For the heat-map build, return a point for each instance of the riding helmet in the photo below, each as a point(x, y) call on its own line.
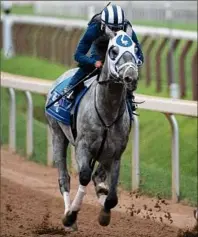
point(113, 17)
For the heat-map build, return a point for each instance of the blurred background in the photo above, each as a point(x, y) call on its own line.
point(169, 74)
point(38, 39)
point(184, 12)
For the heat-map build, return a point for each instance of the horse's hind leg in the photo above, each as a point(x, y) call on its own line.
point(100, 181)
point(60, 144)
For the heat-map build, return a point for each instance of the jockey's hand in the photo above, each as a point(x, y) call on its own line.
point(98, 64)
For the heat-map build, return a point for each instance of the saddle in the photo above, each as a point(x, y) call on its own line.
point(64, 110)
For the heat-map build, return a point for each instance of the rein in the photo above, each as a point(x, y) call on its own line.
point(106, 129)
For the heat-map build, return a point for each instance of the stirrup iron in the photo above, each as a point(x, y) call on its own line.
point(70, 96)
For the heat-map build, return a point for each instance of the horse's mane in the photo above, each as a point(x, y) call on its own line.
point(101, 45)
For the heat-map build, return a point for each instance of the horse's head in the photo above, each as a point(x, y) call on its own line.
point(121, 60)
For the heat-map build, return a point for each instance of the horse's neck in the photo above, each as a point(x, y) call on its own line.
point(110, 101)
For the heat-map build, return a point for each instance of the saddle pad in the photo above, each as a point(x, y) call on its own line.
point(61, 110)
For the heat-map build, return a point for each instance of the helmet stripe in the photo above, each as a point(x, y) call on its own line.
point(115, 14)
point(111, 15)
point(103, 16)
point(106, 15)
point(120, 15)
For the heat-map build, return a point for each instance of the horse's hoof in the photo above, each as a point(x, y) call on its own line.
point(72, 228)
point(69, 218)
point(104, 217)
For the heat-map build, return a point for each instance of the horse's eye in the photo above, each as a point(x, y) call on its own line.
point(113, 52)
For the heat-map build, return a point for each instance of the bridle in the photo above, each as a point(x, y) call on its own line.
point(116, 77)
point(128, 65)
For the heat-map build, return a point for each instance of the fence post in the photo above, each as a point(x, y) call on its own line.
point(175, 157)
point(29, 131)
point(135, 155)
point(8, 49)
point(174, 88)
point(12, 120)
point(50, 161)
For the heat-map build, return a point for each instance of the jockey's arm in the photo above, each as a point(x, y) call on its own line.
point(84, 45)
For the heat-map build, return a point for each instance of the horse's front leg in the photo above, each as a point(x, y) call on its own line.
point(83, 157)
point(110, 200)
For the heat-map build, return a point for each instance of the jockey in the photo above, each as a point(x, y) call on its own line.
point(93, 39)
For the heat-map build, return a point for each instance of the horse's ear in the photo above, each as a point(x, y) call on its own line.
point(129, 30)
point(109, 32)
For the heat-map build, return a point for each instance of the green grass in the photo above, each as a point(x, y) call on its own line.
point(18, 64)
point(155, 156)
point(155, 135)
point(28, 10)
point(23, 10)
point(40, 131)
point(175, 25)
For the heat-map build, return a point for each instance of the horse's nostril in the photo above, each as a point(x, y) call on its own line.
point(128, 79)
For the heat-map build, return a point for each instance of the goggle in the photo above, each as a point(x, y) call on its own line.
point(116, 28)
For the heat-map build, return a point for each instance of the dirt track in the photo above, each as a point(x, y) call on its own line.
point(31, 205)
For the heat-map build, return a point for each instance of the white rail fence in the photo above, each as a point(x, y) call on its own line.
point(167, 106)
point(10, 20)
point(182, 11)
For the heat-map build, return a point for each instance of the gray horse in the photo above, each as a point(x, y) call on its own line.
point(103, 125)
